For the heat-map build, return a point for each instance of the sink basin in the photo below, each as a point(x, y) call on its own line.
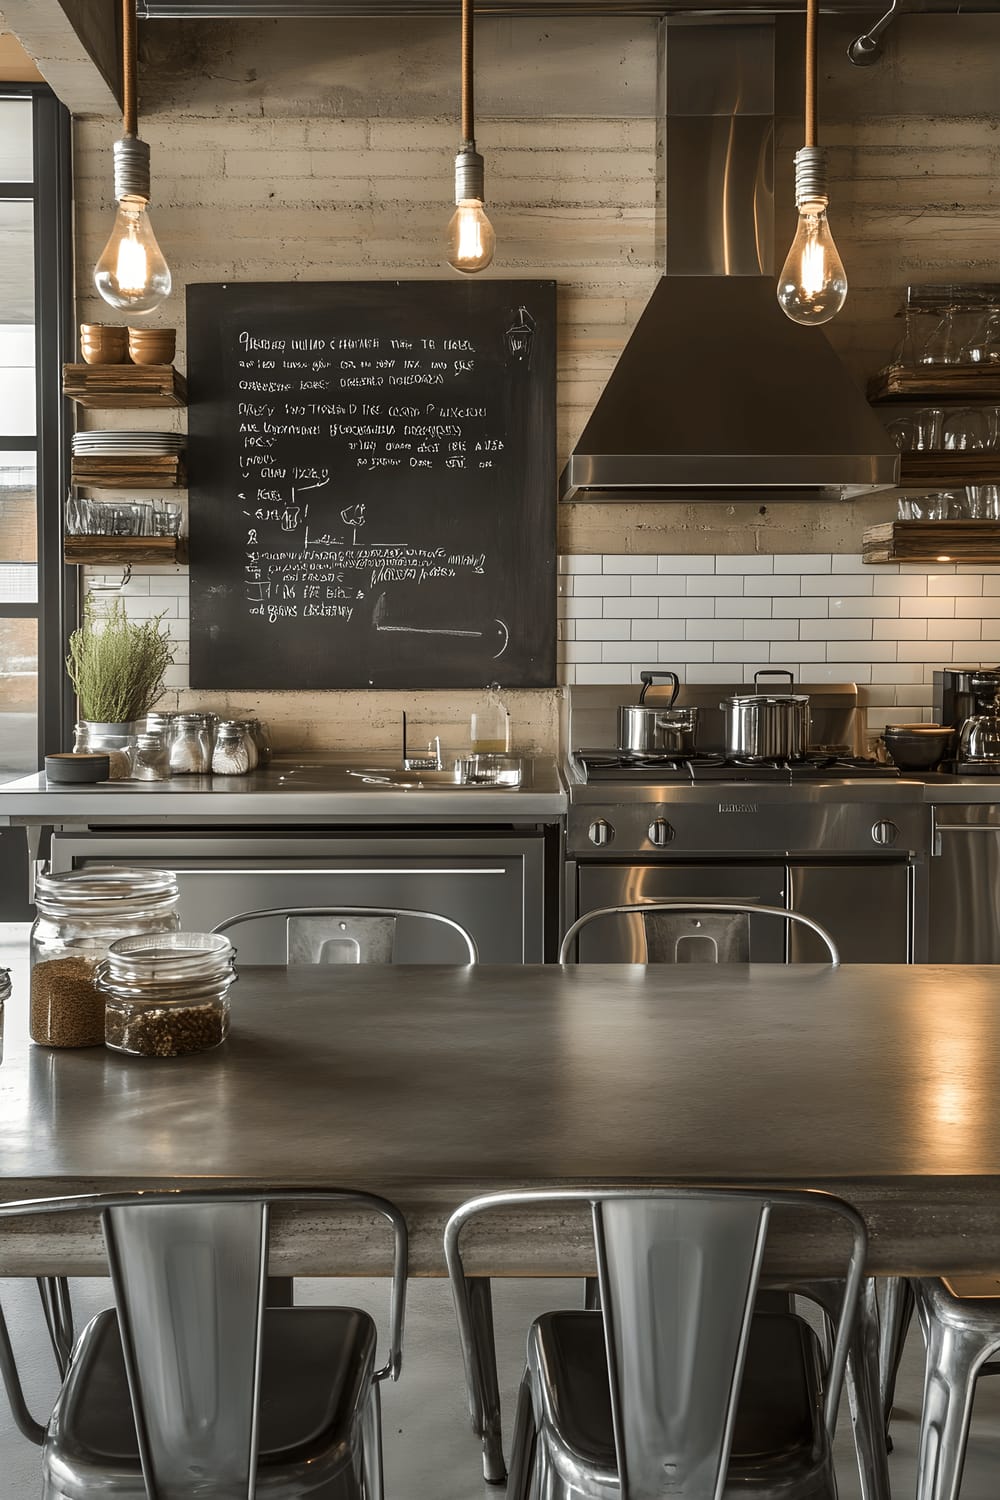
point(468, 774)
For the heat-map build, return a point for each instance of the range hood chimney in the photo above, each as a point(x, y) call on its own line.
point(717, 395)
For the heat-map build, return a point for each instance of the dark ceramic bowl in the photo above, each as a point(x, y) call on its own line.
point(917, 747)
point(76, 770)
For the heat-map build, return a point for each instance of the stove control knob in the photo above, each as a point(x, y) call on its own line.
point(660, 832)
point(601, 832)
point(884, 832)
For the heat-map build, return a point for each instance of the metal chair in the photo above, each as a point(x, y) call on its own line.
point(192, 1387)
point(679, 1385)
point(960, 1319)
point(355, 935)
point(712, 932)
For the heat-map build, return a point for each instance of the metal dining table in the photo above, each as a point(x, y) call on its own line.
point(429, 1084)
point(432, 1084)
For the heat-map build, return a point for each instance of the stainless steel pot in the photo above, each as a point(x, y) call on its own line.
point(657, 730)
point(767, 726)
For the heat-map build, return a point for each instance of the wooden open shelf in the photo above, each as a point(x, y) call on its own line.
point(945, 469)
point(932, 541)
point(129, 472)
point(136, 550)
point(126, 386)
point(936, 383)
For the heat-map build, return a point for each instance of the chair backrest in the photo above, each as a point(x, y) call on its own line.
point(189, 1271)
point(672, 936)
point(345, 934)
point(678, 1270)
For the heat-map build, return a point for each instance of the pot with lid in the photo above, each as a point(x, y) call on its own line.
point(767, 725)
point(654, 729)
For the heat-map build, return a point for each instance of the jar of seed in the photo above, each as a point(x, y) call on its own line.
point(167, 995)
point(79, 916)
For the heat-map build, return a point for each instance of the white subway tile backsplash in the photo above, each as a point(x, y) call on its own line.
point(659, 583)
point(899, 630)
point(603, 584)
point(632, 606)
point(926, 609)
point(800, 609)
point(575, 562)
point(582, 609)
point(713, 630)
point(900, 583)
point(773, 585)
point(661, 630)
point(726, 584)
point(771, 630)
point(742, 608)
point(697, 562)
point(618, 562)
point(965, 583)
point(836, 630)
point(839, 586)
point(803, 562)
point(754, 563)
point(975, 607)
point(603, 630)
point(687, 608)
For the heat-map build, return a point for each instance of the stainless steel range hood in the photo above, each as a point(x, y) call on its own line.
point(717, 395)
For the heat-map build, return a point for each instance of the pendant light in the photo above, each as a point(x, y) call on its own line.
point(131, 273)
point(471, 239)
point(812, 287)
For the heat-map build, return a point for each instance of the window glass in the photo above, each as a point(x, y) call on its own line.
point(18, 698)
point(15, 140)
point(17, 379)
point(17, 262)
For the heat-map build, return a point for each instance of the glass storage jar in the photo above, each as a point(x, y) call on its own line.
point(261, 737)
point(167, 995)
point(150, 758)
point(235, 753)
point(79, 916)
point(191, 745)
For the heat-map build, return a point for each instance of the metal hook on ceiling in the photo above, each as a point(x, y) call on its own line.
point(867, 48)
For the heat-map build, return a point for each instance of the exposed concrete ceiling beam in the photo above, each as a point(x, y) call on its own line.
point(75, 46)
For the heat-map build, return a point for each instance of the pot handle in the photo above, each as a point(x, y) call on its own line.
point(775, 672)
point(648, 678)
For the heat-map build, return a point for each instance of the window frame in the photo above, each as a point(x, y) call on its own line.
point(51, 195)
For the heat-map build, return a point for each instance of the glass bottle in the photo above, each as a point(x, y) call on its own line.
point(79, 916)
point(190, 748)
point(167, 995)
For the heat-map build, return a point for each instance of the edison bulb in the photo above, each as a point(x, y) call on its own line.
point(812, 287)
point(132, 273)
point(471, 238)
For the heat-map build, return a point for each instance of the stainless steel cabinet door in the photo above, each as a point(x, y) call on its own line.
point(494, 888)
point(620, 940)
point(864, 907)
point(964, 925)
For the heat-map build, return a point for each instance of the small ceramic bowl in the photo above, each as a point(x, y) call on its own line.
point(103, 344)
point(917, 747)
point(152, 346)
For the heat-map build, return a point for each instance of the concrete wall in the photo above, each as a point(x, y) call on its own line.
point(309, 150)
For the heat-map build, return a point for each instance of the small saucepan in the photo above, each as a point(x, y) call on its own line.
point(655, 729)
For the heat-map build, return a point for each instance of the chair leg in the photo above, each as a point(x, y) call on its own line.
point(953, 1359)
point(895, 1314)
point(373, 1470)
point(865, 1399)
point(485, 1358)
point(522, 1444)
point(53, 1292)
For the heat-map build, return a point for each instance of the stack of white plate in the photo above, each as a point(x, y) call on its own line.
point(107, 444)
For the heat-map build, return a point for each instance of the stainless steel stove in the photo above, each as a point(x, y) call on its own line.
point(837, 835)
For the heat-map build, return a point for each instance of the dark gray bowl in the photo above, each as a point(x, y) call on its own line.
point(915, 749)
point(67, 769)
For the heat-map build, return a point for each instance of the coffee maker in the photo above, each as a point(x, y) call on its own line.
point(962, 693)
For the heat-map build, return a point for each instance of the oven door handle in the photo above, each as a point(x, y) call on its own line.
point(940, 828)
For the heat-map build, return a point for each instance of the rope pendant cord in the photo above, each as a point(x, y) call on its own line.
point(468, 112)
point(812, 7)
point(130, 115)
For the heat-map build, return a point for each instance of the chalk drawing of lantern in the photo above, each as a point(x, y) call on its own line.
point(354, 517)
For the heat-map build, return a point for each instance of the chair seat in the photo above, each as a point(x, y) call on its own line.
point(778, 1432)
point(315, 1379)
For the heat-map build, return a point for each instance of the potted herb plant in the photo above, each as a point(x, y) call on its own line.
point(116, 666)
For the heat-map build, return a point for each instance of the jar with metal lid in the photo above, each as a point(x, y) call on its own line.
point(167, 995)
point(191, 745)
point(160, 723)
point(150, 758)
point(235, 753)
point(253, 750)
point(79, 916)
point(262, 739)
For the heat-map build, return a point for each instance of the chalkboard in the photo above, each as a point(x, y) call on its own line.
point(372, 484)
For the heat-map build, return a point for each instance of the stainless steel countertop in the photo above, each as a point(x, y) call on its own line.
point(290, 790)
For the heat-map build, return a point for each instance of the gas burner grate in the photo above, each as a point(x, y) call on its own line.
point(611, 765)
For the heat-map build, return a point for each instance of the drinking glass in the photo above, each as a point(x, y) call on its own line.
point(167, 520)
point(944, 346)
point(930, 422)
point(964, 430)
point(983, 344)
point(489, 730)
point(906, 355)
point(903, 431)
point(983, 502)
